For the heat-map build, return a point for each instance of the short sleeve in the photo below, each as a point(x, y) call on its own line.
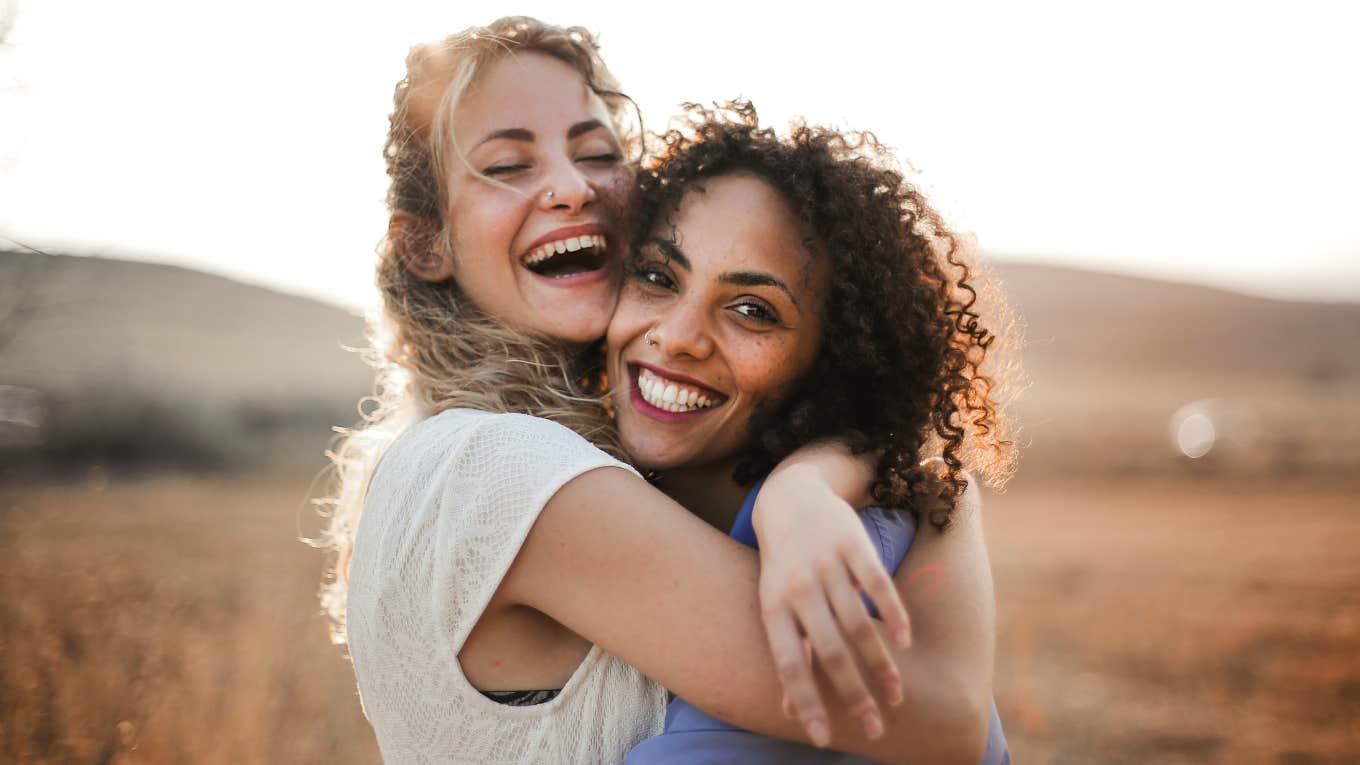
point(493, 486)
point(446, 513)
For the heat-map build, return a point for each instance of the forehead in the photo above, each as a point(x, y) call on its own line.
point(526, 90)
point(739, 222)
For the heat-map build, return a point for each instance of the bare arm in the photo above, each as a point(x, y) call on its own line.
point(652, 584)
point(814, 560)
point(946, 582)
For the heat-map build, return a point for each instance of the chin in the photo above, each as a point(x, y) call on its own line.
point(584, 321)
point(578, 326)
point(656, 457)
point(583, 332)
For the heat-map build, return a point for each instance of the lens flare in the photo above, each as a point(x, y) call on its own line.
point(1196, 435)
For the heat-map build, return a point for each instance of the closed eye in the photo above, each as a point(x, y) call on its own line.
point(495, 170)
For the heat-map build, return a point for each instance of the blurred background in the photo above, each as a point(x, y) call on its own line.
point(190, 197)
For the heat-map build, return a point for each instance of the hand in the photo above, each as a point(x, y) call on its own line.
point(815, 558)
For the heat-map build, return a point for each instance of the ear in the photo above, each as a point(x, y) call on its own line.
point(414, 241)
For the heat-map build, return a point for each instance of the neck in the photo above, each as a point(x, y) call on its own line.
point(708, 491)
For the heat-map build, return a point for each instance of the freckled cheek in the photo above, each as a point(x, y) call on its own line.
point(765, 368)
point(484, 231)
point(619, 184)
point(618, 196)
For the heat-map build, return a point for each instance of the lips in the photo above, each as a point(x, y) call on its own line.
point(568, 252)
point(563, 246)
point(673, 395)
point(668, 396)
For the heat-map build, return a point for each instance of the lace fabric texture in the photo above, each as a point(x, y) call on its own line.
point(445, 516)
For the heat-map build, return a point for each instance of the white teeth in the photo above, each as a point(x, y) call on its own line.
point(670, 396)
point(570, 244)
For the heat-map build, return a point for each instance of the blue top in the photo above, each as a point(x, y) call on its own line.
point(694, 737)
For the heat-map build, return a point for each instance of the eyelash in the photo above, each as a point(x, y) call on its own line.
point(767, 316)
point(503, 169)
point(495, 170)
point(646, 274)
point(610, 157)
point(651, 276)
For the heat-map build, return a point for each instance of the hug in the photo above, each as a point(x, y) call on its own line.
point(605, 375)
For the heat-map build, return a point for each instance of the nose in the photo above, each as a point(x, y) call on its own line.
point(683, 331)
point(565, 188)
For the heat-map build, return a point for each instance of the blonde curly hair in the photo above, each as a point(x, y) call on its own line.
point(432, 349)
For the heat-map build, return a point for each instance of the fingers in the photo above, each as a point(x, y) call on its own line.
point(858, 627)
point(795, 673)
point(873, 578)
point(833, 654)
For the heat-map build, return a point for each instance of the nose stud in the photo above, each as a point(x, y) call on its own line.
point(648, 339)
point(549, 196)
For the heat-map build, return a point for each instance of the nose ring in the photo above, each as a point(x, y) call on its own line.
point(648, 339)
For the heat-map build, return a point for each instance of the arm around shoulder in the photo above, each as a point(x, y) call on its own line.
point(946, 583)
point(622, 565)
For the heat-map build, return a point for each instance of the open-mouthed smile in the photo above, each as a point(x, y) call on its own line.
point(667, 398)
point(569, 252)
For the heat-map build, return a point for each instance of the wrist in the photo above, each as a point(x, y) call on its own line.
point(792, 485)
point(848, 476)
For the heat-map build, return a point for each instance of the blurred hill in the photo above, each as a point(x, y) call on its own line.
point(1121, 366)
point(111, 361)
point(117, 361)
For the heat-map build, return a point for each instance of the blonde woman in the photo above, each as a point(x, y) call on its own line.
point(510, 591)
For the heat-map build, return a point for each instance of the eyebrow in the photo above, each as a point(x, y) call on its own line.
point(738, 278)
point(757, 279)
point(510, 134)
point(581, 128)
point(522, 134)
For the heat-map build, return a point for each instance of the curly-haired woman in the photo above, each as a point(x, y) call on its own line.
point(786, 291)
point(489, 559)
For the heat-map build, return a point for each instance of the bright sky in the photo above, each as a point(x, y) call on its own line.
point(1211, 142)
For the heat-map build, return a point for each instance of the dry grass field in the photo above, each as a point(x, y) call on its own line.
point(172, 620)
point(1157, 612)
point(1179, 622)
point(168, 621)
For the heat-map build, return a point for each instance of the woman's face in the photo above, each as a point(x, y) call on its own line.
point(536, 250)
point(722, 317)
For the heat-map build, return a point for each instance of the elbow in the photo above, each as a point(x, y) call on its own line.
point(973, 731)
point(961, 714)
point(963, 736)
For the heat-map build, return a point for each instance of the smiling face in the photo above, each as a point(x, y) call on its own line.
point(535, 247)
point(721, 318)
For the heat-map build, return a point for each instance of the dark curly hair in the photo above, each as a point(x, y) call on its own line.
point(899, 370)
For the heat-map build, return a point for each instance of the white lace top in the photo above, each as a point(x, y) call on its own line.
point(446, 514)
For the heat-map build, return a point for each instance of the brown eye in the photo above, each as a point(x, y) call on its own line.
point(654, 275)
point(758, 312)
